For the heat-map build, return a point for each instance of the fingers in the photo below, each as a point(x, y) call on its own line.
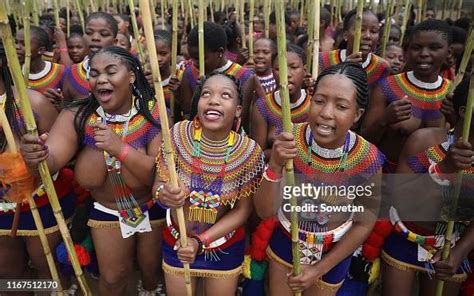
point(100, 126)
point(187, 254)
point(172, 197)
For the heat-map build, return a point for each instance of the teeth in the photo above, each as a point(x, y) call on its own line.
point(212, 113)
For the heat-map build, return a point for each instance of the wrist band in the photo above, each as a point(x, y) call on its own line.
point(157, 197)
point(435, 175)
point(63, 49)
point(200, 244)
point(271, 176)
point(123, 155)
point(204, 238)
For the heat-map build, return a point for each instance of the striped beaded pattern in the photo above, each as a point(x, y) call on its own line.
point(140, 130)
point(376, 69)
point(242, 74)
point(270, 108)
point(363, 160)
point(426, 103)
point(242, 173)
point(53, 79)
point(77, 76)
point(268, 83)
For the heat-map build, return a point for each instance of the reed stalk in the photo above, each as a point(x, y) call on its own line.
point(30, 123)
point(358, 26)
point(387, 26)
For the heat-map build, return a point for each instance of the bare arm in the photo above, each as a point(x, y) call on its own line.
point(375, 125)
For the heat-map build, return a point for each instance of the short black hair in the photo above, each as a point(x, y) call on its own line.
point(273, 18)
point(164, 36)
point(233, 31)
point(350, 16)
point(40, 35)
point(436, 26)
point(325, 16)
point(354, 72)
point(463, 23)
point(109, 19)
point(459, 35)
point(291, 47)
point(76, 29)
point(214, 37)
point(273, 46)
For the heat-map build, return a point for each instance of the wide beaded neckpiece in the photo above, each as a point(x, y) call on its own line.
point(426, 98)
point(270, 108)
point(50, 77)
point(268, 83)
point(140, 130)
point(375, 67)
point(78, 77)
point(356, 161)
point(215, 172)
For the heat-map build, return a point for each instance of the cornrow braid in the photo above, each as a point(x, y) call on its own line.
point(356, 74)
point(141, 90)
point(11, 106)
point(197, 93)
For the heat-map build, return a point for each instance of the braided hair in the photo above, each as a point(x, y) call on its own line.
point(141, 90)
point(11, 107)
point(356, 74)
point(197, 93)
point(40, 35)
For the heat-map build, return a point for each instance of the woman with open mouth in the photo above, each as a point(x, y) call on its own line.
point(100, 32)
point(219, 170)
point(114, 137)
point(325, 152)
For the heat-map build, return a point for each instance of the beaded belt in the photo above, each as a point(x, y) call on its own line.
point(217, 243)
point(435, 241)
point(317, 237)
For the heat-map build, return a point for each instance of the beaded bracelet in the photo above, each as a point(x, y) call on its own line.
point(124, 153)
point(204, 238)
point(271, 176)
point(200, 244)
point(157, 197)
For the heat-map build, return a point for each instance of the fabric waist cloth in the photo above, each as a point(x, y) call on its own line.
point(223, 260)
point(406, 250)
point(26, 224)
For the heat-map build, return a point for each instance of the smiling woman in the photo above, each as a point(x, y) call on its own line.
point(219, 170)
point(115, 136)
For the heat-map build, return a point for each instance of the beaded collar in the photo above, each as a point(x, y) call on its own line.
point(363, 159)
point(241, 174)
point(343, 56)
point(140, 130)
point(424, 85)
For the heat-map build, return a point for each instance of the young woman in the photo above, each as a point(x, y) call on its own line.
point(115, 138)
point(375, 67)
point(324, 152)
point(17, 252)
point(44, 76)
point(215, 43)
point(440, 154)
point(408, 101)
point(263, 50)
point(266, 114)
point(395, 58)
point(100, 32)
point(219, 170)
point(77, 47)
point(234, 48)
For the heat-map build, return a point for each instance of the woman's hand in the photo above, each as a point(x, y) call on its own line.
point(355, 57)
point(447, 108)
point(172, 197)
point(55, 96)
point(34, 149)
point(445, 269)
point(284, 148)
point(107, 140)
point(397, 111)
point(187, 254)
point(459, 157)
point(310, 274)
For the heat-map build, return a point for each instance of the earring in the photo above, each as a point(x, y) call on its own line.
point(136, 91)
point(196, 123)
point(237, 122)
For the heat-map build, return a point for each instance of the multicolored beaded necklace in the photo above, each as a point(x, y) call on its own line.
point(79, 77)
point(205, 200)
point(127, 205)
point(426, 98)
point(50, 77)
